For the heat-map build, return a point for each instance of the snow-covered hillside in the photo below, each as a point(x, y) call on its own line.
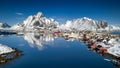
point(84, 24)
point(115, 27)
point(36, 22)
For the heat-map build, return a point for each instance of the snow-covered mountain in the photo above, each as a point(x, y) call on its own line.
point(4, 25)
point(115, 27)
point(88, 24)
point(84, 24)
point(36, 22)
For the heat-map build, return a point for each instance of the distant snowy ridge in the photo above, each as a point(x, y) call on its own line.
point(87, 24)
point(4, 25)
point(84, 24)
point(115, 27)
point(39, 22)
point(36, 22)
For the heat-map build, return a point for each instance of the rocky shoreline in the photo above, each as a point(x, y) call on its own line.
point(7, 54)
point(98, 41)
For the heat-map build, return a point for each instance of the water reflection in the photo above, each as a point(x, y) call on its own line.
point(38, 39)
point(8, 54)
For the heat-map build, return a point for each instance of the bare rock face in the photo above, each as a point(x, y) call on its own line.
point(103, 24)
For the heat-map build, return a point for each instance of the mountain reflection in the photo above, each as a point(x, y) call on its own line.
point(38, 39)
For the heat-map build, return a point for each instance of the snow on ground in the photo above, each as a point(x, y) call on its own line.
point(115, 49)
point(5, 49)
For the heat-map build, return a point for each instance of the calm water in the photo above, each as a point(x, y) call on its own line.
point(41, 51)
point(116, 32)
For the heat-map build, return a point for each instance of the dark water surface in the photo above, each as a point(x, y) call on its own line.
point(42, 52)
point(116, 32)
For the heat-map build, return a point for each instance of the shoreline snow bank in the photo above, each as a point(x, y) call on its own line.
point(5, 49)
point(115, 49)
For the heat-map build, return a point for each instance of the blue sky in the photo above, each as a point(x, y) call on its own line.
point(15, 11)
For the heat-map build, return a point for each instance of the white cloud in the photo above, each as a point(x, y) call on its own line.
point(19, 13)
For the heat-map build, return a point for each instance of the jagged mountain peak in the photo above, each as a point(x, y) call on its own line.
point(39, 14)
point(86, 18)
point(38, 21)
